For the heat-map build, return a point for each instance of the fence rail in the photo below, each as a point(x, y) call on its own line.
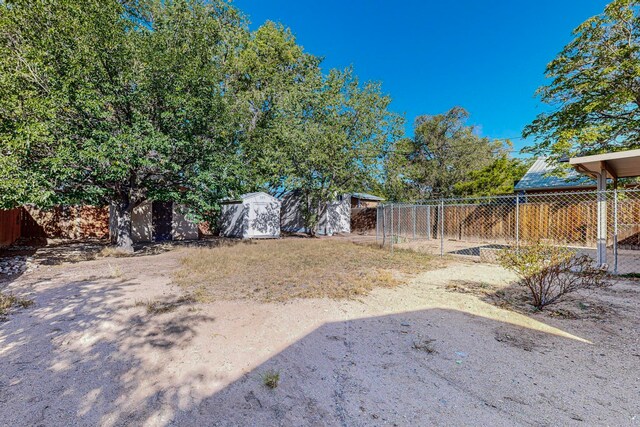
point(479, 227)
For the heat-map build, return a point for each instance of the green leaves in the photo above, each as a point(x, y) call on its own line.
point(99, 102)
point(441, 156)
point(594, 92)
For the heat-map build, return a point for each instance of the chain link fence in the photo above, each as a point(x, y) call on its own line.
point(480, 227)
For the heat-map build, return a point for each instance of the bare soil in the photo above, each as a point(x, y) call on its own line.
point(113, 341)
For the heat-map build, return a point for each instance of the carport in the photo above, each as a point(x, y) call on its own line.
point(602, 167)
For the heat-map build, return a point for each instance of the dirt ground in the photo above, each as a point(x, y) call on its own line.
point(95, 350)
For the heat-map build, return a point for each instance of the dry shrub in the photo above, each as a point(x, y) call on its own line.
point(160, 307)
point(549, 272)
point(279, 270)
point(7, 302)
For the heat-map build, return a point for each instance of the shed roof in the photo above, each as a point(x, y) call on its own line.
point(366, 196)
point(539, 177)
point(247, 196)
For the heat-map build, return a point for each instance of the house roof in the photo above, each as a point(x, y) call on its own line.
point(621, 164)
point(539, 177)
point(365, 196)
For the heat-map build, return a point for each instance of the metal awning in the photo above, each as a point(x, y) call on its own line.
point(623, 164)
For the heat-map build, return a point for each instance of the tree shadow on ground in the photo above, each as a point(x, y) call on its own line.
point(83, 352)
point(87, 354)
point(31, 254)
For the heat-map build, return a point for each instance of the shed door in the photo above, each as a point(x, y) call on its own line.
point(162, 214)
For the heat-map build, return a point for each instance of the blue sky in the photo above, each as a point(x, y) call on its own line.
point(487, 56)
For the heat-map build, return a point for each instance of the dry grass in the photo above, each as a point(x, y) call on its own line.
point(295, 268)
point(160, 307)
point(113, 252)
point(7, 302)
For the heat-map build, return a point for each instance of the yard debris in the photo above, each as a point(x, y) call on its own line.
point(425, 345)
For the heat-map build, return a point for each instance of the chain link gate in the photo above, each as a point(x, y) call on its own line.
point(480, 227)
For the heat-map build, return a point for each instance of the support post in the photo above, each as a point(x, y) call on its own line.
point(399, 223)
point(615, 231)
point(602, 217)
point(429, 222)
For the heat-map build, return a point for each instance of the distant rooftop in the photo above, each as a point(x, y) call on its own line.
point(539, 177)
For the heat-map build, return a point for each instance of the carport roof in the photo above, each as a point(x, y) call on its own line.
point(622, 164)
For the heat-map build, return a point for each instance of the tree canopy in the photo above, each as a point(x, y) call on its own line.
point(447, 158)
point(594, 93)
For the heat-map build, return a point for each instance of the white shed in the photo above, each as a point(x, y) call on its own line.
point(251, 216)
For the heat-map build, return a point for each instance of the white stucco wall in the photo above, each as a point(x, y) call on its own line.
point(181, 227)
point(141, 223)
point(232, 220)
point(336, 217)
point(291, 219)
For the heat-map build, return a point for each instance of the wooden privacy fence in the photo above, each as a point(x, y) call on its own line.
point(9, 226)
point(565, 218)
point(363, 220)
point(63, 222)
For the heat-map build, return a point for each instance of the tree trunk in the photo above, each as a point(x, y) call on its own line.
point(123, 239)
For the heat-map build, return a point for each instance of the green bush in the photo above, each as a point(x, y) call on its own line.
point(549, 272)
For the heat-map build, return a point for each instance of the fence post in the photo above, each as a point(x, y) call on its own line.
point(391, 229)
point(441, 227)
point(399, 223)
point(414, 222)
point(615, 231)
point(377, 222)
point(429, 222)
point(518, 221)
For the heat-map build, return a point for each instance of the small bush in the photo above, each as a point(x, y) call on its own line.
point(7, 302)
point(271, 379)
point(549, 272)
point(113, 252)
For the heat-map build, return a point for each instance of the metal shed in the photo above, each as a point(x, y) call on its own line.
point(251, 216)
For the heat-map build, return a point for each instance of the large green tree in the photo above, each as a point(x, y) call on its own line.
point(442, 154)
point(594, 93)
point(336, 143)
point(106, 101)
